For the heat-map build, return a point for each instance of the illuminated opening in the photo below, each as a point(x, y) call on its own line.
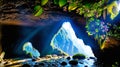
point(65, 40)
point(118, 6)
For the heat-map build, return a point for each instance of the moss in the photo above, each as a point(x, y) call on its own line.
point(79, 56)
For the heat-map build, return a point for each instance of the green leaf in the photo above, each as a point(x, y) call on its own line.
point(56, 2)
point(37, 7)
point(72, 6)
point(72, 0)
point(38, 10)
point(62, 2)
point(43, 2)
point(88, 5)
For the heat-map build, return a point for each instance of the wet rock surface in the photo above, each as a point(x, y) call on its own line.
point(25, 65)
point(57, 61)
point(63, 63)
point(73, 62)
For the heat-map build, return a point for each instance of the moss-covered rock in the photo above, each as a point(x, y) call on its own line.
point(79, 56)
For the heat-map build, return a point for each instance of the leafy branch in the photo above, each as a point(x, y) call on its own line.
point(86, 9)
point(114, 32)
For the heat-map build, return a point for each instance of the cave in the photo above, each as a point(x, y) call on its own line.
point(39, 33)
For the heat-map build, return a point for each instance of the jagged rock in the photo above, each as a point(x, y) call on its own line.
point(66, 41)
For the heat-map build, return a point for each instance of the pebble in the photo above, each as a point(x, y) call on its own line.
point(33, 59)
point(26, 65)
point(48, 56)
point(36, 66)
point(54, 55)
point(73, 62)
point(54, 65)
point(86, 66)
point(81, 62)
point(42, 64)
point(78, 57)
point(63, 63)
point(92, 57)
point(68, 58)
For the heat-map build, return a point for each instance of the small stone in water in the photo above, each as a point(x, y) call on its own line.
point(54, 55)
point(86, 66)
point(36, 66)
point(42, 64)
point(68, 58)
point(92, 57)
point(73, 62)
point(81, 62)
point(26, 65)
point(54, 65)
point(78, 56)
point(49, 56)
point(33, 59)
point(63, 63)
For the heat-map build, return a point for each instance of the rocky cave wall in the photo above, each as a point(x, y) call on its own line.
point(19, 25)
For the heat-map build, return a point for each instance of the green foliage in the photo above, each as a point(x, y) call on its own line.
point(62, 2)
point(72, 0)
point(79, 56)
point(72, 6)
point(56, 2)
point(116, 64)
point(80, 11)
point(37, 7)
point(43, 2)
point(114, 32)
point(38, 10)
point(87, 9)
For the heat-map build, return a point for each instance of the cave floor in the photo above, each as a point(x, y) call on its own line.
point(48, 61)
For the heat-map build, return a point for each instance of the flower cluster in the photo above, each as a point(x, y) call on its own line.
point(97, 28)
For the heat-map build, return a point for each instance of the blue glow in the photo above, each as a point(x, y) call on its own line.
point(65, 40)
point(28, 48)
point(118, 5)
point(28, 36)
